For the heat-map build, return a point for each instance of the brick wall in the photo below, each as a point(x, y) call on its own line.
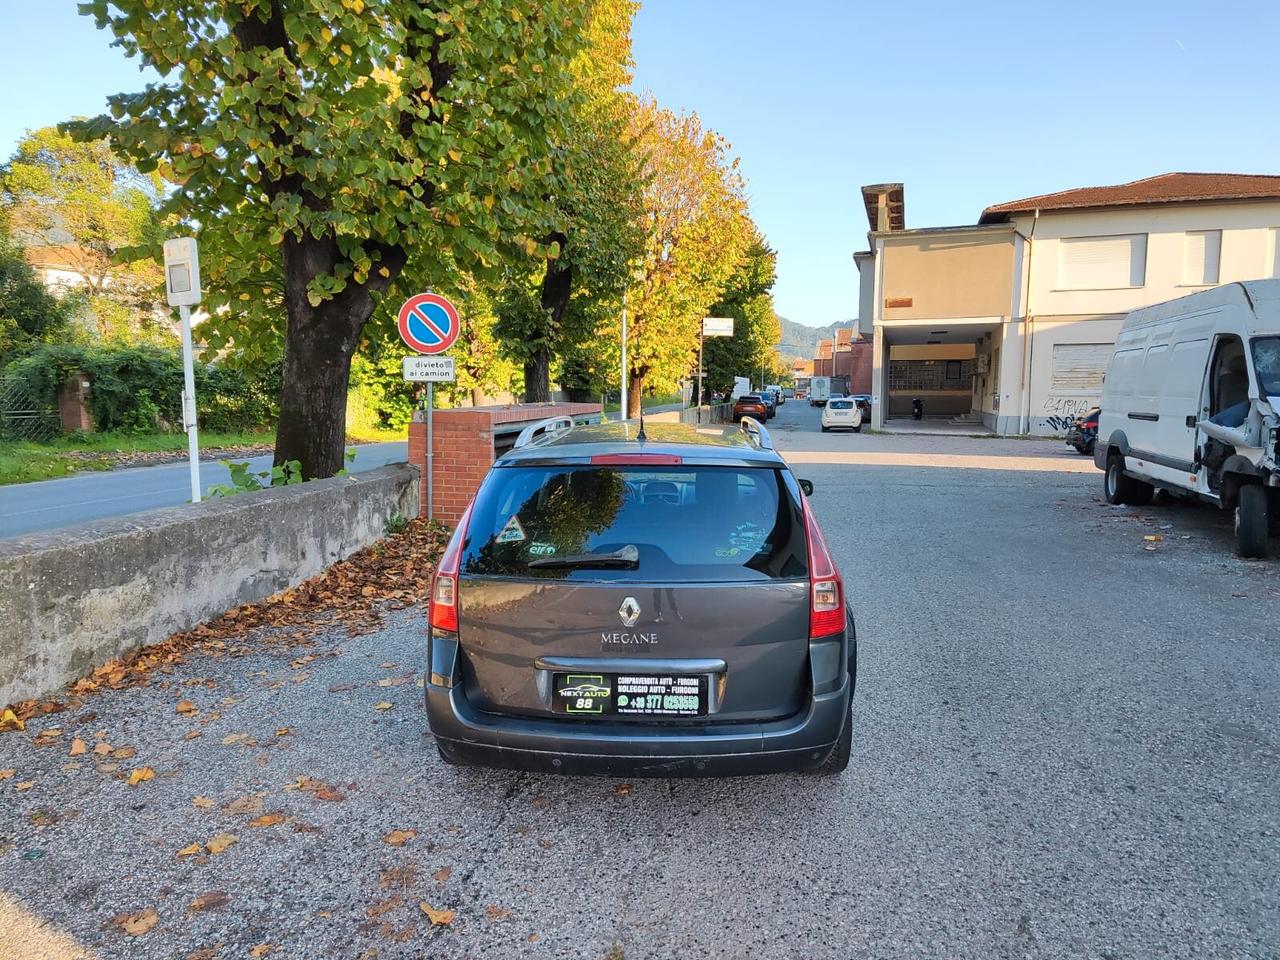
point(463, 442)
point(73, 408)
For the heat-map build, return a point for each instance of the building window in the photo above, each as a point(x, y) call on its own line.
point(918, 375)
point(1102, 263)
point(1201, 254)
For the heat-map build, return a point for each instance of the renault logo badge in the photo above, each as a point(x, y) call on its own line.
point(629, 612)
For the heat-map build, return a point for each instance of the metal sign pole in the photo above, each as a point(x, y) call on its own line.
point(431, 454)
point(189, 402)
point(701, 337)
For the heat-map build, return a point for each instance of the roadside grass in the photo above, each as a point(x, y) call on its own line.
point(23, 461)
point(648, 403)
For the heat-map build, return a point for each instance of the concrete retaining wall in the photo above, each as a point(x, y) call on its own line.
point(75, 598)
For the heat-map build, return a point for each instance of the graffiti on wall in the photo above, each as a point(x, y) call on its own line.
point(1061, 412)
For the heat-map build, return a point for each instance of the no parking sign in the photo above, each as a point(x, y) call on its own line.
point(428, 323)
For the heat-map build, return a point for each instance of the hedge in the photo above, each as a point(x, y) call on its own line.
point(139, 389)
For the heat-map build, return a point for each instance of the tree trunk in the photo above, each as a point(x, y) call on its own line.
point(318, 345)
point(635, 386)
point(557, 284)
point(537, 376)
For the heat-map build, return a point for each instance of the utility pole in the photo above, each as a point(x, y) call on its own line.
point(182, 289)
point(624, 356)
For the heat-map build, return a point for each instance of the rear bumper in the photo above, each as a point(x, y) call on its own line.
point(799, 742)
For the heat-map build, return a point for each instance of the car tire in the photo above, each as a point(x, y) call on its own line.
point(1251, 521)
point(858, 429)
point(1118, 487)
point(826, 429)
point(838, 760)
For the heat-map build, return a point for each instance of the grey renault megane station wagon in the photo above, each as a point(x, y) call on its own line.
point(641, 602)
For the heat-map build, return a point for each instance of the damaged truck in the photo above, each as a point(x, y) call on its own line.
point(1191, 406)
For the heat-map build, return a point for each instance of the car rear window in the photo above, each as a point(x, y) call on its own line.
point(686, 523)
point(841, 404)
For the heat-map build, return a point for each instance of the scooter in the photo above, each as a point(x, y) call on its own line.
point(917, 408)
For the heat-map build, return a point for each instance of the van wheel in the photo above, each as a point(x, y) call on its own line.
point(1251, 521)
point(826, 429)
point(1119, 488)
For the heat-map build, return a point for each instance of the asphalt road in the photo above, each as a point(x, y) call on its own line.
point(1067, 745)
point(50, 504)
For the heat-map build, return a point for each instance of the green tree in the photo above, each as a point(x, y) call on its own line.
point(756, 329)
point(553, 307)
point(321, 147)
point(696, 231)
point(29, 314)
point(99, 213)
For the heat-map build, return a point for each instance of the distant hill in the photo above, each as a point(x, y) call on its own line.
point(801, 341)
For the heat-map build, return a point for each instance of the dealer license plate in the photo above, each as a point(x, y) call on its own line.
point(636, 695)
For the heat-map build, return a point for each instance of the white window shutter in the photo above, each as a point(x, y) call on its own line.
point(1202, 252)
point(1102, 263)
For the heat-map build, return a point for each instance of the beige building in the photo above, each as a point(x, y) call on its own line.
point(1019, 311)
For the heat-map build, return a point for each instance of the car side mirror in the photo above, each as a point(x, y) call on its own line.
point(806, 487)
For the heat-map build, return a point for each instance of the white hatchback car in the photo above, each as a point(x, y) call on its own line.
point(842, 412)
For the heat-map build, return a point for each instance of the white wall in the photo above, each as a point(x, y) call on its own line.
point(866, 292)
point(1249, 251)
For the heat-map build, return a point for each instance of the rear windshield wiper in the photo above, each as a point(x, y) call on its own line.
point(625, 558)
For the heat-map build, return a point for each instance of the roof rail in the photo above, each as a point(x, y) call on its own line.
point(754, 429)
point(551, 425)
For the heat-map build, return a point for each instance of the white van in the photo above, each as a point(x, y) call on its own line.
point(1191, 404)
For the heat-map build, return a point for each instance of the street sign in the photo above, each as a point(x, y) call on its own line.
point(182, 272)
point(717, 326)
point(428, 323)
point(429, 369)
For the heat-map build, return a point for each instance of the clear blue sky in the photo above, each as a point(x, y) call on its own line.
point(967, 103)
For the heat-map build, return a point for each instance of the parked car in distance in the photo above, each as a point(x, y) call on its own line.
point(750, 405)
point(1191, 404)
point(842, 412)
point(1083, 434)
point(863, 400)
point(661, 607)
point(789, 393)
point(769, 402)
point(776, 391)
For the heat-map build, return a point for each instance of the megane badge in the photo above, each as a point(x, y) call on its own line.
point(629, 612)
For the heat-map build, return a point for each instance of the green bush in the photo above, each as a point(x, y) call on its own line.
point(139, 389)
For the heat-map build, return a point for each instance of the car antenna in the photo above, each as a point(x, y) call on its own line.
point(640, 436)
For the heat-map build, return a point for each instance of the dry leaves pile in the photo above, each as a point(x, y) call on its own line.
point(355, 593)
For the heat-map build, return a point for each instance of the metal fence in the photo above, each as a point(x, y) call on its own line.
point(711, 413)
point(22, 415)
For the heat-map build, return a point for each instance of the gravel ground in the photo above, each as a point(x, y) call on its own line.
point(1066, 745)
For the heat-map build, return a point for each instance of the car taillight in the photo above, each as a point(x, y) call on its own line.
point(444, 585)
point(826, 588)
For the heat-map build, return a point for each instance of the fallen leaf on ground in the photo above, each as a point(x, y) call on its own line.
point(442, 874)
point(11, 721)
point(438, 918)
point(102, 749)
point(136, 924)
point(379, 907)
point(397, 877)
point(192, 734)
point(186, 708)
point(204, 803)
point(398, 838)
point(6, 773)
point(205, 953)
point(383, 705)
point(268, 820)
point(494, 912)
point(283, 732)
point(78, 747)
point(261, 950)
point(388, 665)
point(140, 775)
point(108, 767)
point(328, 793)
point(1153, 538)
point(341, 687)
point(46, 737)
point(393, 681)
point(208, 901)
point(245, 805)
point(221, 842)
point(124, 753)
point(24, 785)
point(231, 738)
point(193, 850)
point(622, 790)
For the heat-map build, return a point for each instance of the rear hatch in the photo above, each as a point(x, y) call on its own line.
point(615, 584)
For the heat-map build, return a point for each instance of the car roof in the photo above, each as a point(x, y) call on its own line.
point(692, 443)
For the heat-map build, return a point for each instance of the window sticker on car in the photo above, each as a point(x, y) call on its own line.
point(512, 532)
point(537, 549)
